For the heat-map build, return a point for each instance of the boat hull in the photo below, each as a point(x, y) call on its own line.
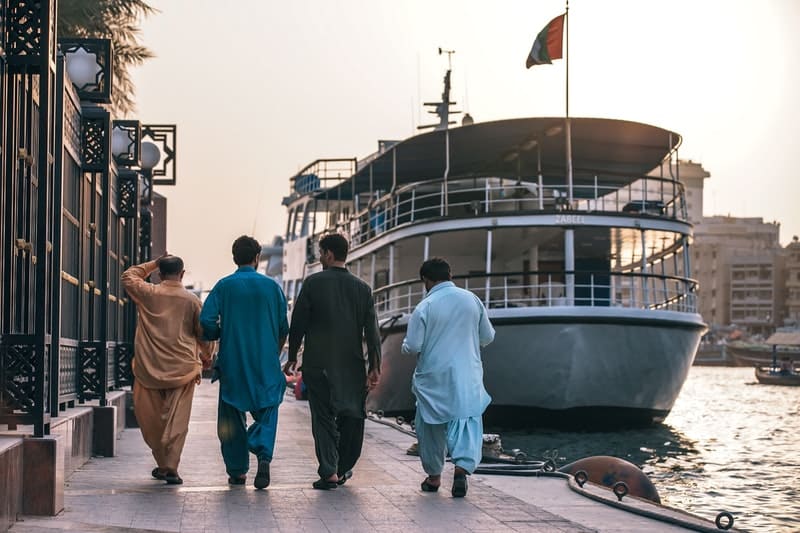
point(565, 371)
point(766, 377)
point(752, 355)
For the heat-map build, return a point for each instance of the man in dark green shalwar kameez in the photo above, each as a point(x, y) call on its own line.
point(335, 313)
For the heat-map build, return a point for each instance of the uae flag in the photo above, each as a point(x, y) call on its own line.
point(548, 44)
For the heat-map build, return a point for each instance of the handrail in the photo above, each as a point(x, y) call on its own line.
point(469, 197)
point(506, 290)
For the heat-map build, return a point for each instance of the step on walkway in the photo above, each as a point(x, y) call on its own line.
point(117, 494)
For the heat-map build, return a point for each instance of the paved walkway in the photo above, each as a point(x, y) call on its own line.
point(118, 494)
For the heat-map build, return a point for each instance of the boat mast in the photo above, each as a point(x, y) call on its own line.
point(442, 109)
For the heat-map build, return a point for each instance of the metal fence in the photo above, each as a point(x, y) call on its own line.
point(65, 325)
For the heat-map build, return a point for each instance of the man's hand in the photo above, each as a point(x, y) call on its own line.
point(290, 367)
point(372, 378)
point(198, 379)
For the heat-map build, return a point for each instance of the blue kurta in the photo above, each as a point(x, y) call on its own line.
point(447, 329)
point(246, 311)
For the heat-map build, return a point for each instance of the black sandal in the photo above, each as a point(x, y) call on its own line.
point(344, 477)
point(428, 487)
point(324, 484)
point(173, 479)
point(459, 486)
point(262, 477)
point(158, 475)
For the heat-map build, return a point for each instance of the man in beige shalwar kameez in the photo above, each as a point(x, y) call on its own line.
point(168, 356)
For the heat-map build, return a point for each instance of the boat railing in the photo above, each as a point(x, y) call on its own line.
point(649, 196)
point(321, 174)
point(508, 290)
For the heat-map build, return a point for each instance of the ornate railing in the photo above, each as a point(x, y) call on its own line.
point(650, 196)
point(548, 289)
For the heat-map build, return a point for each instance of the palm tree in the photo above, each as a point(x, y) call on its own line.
point(110, 19)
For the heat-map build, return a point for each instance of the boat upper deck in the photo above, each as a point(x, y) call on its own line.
point(610, 152)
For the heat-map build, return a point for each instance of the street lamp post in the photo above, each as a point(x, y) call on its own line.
point(151, 155)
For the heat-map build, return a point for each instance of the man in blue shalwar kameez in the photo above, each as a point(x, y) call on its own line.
point(246, 311)
point(447, 330)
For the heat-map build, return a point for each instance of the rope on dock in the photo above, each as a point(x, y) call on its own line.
point(529, 468)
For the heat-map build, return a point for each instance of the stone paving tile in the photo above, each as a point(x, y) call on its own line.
point(118, 493)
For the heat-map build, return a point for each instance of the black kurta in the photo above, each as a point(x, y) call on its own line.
point(335, 313)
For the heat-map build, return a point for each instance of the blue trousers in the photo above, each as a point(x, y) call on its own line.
point(462, 437)
point(236, 439)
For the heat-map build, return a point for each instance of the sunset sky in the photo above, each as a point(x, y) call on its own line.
point(260, 88)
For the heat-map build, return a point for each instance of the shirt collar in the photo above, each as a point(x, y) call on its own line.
point(171, 283)
point(439, 286)
point(245, 268)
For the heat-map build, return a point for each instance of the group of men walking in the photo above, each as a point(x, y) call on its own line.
point(332, 318)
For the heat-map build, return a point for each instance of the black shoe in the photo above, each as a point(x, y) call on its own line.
point(459, 486)
point(158, 475)
point(173, 479)
point(324, 484)
point(428, 487)
point(262, 476)
point(344, 477)
point(236, 480)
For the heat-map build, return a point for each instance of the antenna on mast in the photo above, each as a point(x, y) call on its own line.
point(442, 109)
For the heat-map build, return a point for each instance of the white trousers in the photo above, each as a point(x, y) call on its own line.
point(462, 438)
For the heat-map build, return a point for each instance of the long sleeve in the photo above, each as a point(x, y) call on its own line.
point(209, 316)
point(204, 347)
point(372, 336)
point(301, 313)
point(485, 329)
point(135, 280)
point(415, 332)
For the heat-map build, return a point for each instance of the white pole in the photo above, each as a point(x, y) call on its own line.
point(426, 248)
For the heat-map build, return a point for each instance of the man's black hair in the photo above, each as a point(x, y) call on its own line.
point(245, 249)
point(170, 265)
point(435, 269)
point(336, 243)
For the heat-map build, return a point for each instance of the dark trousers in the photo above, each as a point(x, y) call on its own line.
point(337, 438)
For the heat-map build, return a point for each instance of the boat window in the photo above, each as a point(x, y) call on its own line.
point(304, 220)
point(289, 225)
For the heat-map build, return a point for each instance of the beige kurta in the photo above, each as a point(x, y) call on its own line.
point(166, 361)
point(168, 333)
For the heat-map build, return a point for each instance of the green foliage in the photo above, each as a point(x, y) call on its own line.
point(116, 20)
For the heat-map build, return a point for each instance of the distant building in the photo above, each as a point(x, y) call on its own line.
point(743, 272)
point(793, 280)
point(738, 263)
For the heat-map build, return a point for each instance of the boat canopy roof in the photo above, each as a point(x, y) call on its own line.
point(616, 152)
point(785, 338)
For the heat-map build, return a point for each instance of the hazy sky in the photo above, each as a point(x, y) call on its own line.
point(260, 88)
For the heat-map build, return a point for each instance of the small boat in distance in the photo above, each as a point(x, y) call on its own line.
point(782, 370)
point(785, 342)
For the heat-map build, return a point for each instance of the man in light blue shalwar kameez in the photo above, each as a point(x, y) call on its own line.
point(447, 330)
point(246, 311)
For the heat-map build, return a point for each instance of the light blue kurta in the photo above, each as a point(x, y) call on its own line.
point(246, 311)
point(447, 330)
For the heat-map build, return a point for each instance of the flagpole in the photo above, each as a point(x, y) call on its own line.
point(568, 129)
point(569, 233)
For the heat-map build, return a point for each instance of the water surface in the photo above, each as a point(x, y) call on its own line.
point(729, 444)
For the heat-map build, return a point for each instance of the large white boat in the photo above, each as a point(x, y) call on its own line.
point(587, 281)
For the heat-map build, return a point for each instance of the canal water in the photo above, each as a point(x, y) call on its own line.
point(729, 444)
